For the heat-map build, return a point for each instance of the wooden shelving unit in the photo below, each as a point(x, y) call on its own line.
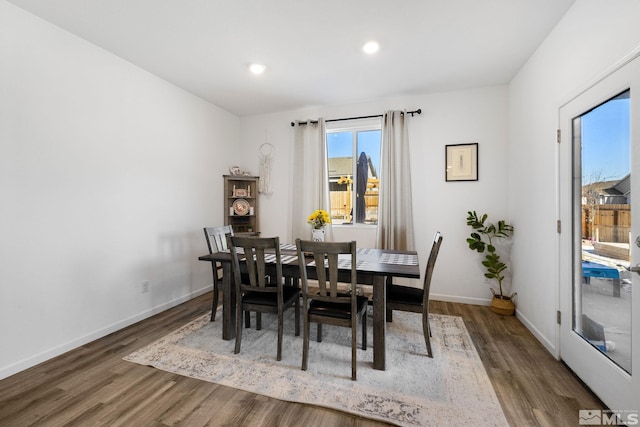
point(241, 203)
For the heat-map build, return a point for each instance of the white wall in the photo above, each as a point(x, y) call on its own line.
point(591, 37)
point(107, 176)
point(478, 115)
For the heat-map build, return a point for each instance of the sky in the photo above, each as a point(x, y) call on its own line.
point(605, 141)
point(339, 144)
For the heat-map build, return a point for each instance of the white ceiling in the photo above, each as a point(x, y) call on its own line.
point(312, 49)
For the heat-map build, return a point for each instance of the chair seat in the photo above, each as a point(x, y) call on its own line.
point(404, 295)
point(336, 310)
point(271, 298)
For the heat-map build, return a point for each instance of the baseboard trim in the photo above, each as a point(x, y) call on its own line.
point(31, 361)
point(459, 299)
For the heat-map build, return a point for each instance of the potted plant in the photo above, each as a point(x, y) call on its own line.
point(481, 239)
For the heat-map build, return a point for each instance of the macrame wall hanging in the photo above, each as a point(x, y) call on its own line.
point(266, 163)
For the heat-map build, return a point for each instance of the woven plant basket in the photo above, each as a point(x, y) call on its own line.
point(502, 304)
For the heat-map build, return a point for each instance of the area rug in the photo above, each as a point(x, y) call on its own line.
point(452, 388)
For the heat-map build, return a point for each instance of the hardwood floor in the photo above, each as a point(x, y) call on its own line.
point(93, 386)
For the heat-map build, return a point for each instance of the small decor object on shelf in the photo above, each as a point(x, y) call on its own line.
point(240, 192)
point(241, 207)
point(319, 220)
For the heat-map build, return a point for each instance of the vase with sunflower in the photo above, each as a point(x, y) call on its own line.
point(318, 221)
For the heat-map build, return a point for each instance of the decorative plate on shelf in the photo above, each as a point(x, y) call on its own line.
point(241, 207)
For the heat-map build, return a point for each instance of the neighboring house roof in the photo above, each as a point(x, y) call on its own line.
point(611, 191)
point(343, 166)
point(599, 186)
point(373, 173)
point(340, 166)
point(608, 191)
point(624, 185)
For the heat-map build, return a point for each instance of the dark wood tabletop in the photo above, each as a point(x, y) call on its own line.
point(370, 261)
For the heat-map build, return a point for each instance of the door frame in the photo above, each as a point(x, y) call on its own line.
point(616, 388)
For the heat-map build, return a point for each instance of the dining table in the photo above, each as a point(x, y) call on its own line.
point(373, 267)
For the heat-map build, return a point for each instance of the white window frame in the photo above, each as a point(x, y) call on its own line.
point(355, 126)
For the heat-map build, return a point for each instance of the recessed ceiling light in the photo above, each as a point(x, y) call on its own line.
point(257, 68)
point(371, 47)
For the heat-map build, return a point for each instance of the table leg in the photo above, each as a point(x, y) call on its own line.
point(228, 303)
point(379, 322)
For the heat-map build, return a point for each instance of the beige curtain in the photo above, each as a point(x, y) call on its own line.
point(310, 178)
point(395, 213)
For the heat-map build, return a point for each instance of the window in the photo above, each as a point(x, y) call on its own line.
point(353, 153)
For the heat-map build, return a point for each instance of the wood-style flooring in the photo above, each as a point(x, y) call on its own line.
point(93, 386)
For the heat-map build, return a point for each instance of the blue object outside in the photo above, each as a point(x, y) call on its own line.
point(591, 269)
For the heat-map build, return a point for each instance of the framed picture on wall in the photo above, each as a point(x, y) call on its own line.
point(461, 162)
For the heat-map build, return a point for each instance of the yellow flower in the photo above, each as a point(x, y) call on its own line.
point(319, 218)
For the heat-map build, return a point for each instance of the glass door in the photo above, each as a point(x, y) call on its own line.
point(602, 288)
point(600, 222)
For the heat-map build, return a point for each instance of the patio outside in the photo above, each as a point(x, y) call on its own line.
point(612, 312)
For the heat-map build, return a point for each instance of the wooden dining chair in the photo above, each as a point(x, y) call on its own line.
point(217, 242)
point(331, 305)
point(253, 290)
point(415, 300)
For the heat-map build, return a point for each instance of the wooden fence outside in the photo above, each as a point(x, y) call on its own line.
point(341, 206)
point(606, 223)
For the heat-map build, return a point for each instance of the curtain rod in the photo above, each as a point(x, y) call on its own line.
point(418, 111)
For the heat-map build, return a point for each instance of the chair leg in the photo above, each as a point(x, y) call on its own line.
point(364, 330)
point(280, 327)
point(258, 321)
point(238, 329)
point(319, 330)
point(389, 315)
point(297, 317)
point(353, 350)
point(214, 305)
point(426, 330)
point(305, 343)
point(247, 319)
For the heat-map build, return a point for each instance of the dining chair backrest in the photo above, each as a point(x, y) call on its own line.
point(217, 242)
point(431, 262)
point(326, 258)
point(255, 249)
point(217, 237)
